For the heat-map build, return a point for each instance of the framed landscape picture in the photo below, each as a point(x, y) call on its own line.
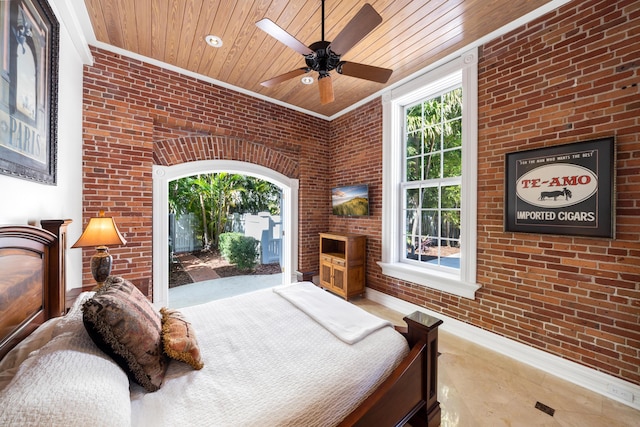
point(352, 200)
point(28, 105)
point(566, 189)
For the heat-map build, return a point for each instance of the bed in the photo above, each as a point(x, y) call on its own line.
point(287, 356)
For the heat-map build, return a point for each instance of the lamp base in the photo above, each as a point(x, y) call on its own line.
point(101, 265)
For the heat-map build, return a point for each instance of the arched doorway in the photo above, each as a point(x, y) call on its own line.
point(162, 175)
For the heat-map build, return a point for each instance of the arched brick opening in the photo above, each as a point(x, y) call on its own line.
point(174, 151)
point(187, 156)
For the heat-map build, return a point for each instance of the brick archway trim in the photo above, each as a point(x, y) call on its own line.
point(193, 148)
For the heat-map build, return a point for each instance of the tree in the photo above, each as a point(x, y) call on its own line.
point(434, 151)
point(185, 198)
point(226, 189)
point(258, 196)
point(212, 197)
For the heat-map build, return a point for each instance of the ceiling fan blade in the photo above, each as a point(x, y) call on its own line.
point(362, 71)
point(326, 89)
point(360, 25)
point(271, 28)
point(284, 77)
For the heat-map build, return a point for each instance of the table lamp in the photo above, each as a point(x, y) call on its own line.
point(100, 232)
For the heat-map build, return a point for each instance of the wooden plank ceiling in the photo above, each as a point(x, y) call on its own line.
point(412, 35)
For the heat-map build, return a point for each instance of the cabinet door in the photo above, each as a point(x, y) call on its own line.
point(339, 279)
point(325, 273)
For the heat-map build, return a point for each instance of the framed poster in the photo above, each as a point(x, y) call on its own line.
point(28, 105)
point(566, 189)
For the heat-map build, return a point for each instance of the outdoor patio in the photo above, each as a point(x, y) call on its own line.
point(208, 290)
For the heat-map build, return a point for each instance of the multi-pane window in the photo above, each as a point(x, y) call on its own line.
point(429, 178)
point(431, 187)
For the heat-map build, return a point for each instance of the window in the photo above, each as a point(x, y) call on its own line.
point(429, 179)
point(432, 181)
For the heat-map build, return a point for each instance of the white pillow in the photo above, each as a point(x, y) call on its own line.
point(42, 335)
point(12, 360)
point(72, 321)
point(68, 382)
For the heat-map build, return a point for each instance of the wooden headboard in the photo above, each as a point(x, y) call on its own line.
point(32, 284)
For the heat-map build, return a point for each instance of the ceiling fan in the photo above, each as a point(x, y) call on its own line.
point(324, 56)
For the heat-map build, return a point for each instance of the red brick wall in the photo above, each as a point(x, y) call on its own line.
point(570, 76)
point(357, 150)
point(574, 297)
point(137, 115)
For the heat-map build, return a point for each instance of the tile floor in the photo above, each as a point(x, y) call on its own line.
point(478, 387)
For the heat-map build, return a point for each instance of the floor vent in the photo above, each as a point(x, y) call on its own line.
point(546, 409)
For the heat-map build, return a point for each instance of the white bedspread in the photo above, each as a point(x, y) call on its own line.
point(267, 364)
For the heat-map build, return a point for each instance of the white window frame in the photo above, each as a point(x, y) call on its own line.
point(463, 69)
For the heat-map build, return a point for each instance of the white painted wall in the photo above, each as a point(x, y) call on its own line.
point(26, 202)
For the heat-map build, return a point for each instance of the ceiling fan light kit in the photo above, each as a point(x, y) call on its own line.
point(326, 88)
point(324, 56)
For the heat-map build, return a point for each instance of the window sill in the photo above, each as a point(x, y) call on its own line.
point(430, 279)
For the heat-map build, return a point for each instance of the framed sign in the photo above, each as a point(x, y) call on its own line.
point(566, 189)
point(28, 106)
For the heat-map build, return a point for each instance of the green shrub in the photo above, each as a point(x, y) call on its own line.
point(224, 243)
point(239, 249)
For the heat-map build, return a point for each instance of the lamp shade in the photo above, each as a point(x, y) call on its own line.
point(100, 231)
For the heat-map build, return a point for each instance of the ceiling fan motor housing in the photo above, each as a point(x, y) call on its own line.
point(322, 59)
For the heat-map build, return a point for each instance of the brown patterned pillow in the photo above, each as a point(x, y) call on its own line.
point(179, 338)
point(123, 323)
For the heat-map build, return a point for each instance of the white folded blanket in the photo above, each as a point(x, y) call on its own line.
point(343, 319)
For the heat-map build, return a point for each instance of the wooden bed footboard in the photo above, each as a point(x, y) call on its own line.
point(410, 393)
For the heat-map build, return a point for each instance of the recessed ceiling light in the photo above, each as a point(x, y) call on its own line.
point(307, 80)
point(213, 41)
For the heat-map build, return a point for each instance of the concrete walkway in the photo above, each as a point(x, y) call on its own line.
point(209, 286)
point(224, 287)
